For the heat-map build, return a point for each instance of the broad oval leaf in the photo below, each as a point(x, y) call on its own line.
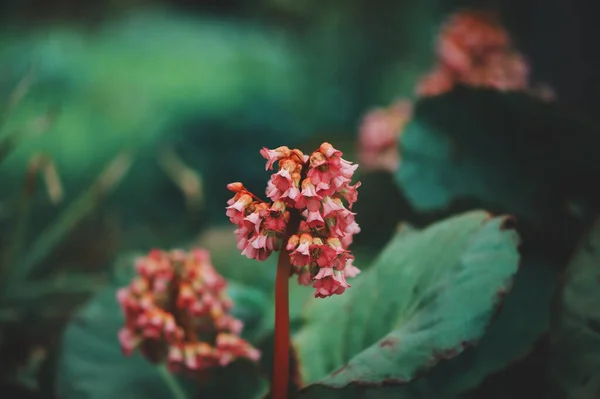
point(509, 151)
point(523, 319)
point(428, 295)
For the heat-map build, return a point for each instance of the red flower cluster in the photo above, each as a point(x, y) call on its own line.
point(310, 190)
point(176, 309)
point(474, 50)
point(378, 136)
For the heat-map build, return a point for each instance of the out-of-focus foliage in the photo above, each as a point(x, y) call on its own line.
point(31, 293)
point(575, 340)
point(510, 151)
point(214, 71)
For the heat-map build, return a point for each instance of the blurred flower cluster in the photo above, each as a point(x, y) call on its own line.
point(475, 50)
point(176, 309)
point(309, 196)
point(378, 136)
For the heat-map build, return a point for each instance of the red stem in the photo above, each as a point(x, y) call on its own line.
point(281, 361)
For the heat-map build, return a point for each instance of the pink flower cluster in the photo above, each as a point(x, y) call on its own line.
point(312, 198)
point(474, 50)
point(176, 309)
point(378, 136)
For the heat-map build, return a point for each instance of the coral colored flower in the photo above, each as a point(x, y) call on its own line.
point(502, 71)
point(436, 82)
point(177, 310)
point(473, 49)
point(316, 191)
point(378, 136)
point(468, 35)
point(329, 282)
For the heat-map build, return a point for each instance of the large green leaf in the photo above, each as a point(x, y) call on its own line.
point(575, 365)
point(524, 317)
point(91, 364)
point(509, 151)
point(428, 295)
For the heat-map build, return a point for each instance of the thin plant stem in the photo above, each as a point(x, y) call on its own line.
point(45, 165)
point(281, 361)
point(172, 383)
point(66, 221)
point(189, 181)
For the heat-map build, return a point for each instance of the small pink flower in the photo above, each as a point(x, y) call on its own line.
point(128, 340)
point(466, 35)
point(282, 182)
point(241, 204)
point(330, 284)
point(275, 155)
point(275, 220)
point(228, 343)
point(293, 242)
point(329, 206)
point(301, 255)
point(322, 254)
point(260, 246)
point(324, 272)
point(350, 193)
point(304, 275)
point(236, 187)
point(314, 217)
point(329, 151)
point(379, 133)
point(350, 270)
point(439, 81)
point(308, 192)
point(254, 219)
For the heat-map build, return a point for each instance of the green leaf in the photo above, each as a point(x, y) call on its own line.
point(575, 365)
point(524, 317)
point(509, 151)
point(91, 364)
point(428, 295)
point(251, 306)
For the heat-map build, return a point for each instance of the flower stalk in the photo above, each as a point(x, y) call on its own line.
point(281, 360)
point(308, 219)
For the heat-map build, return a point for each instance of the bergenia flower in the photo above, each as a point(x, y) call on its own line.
point(311, 208)
point(379, 133)
point(474, 49)
point(176, 310)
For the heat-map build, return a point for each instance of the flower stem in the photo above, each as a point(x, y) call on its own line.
point(281, 361)
point(172, 383)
